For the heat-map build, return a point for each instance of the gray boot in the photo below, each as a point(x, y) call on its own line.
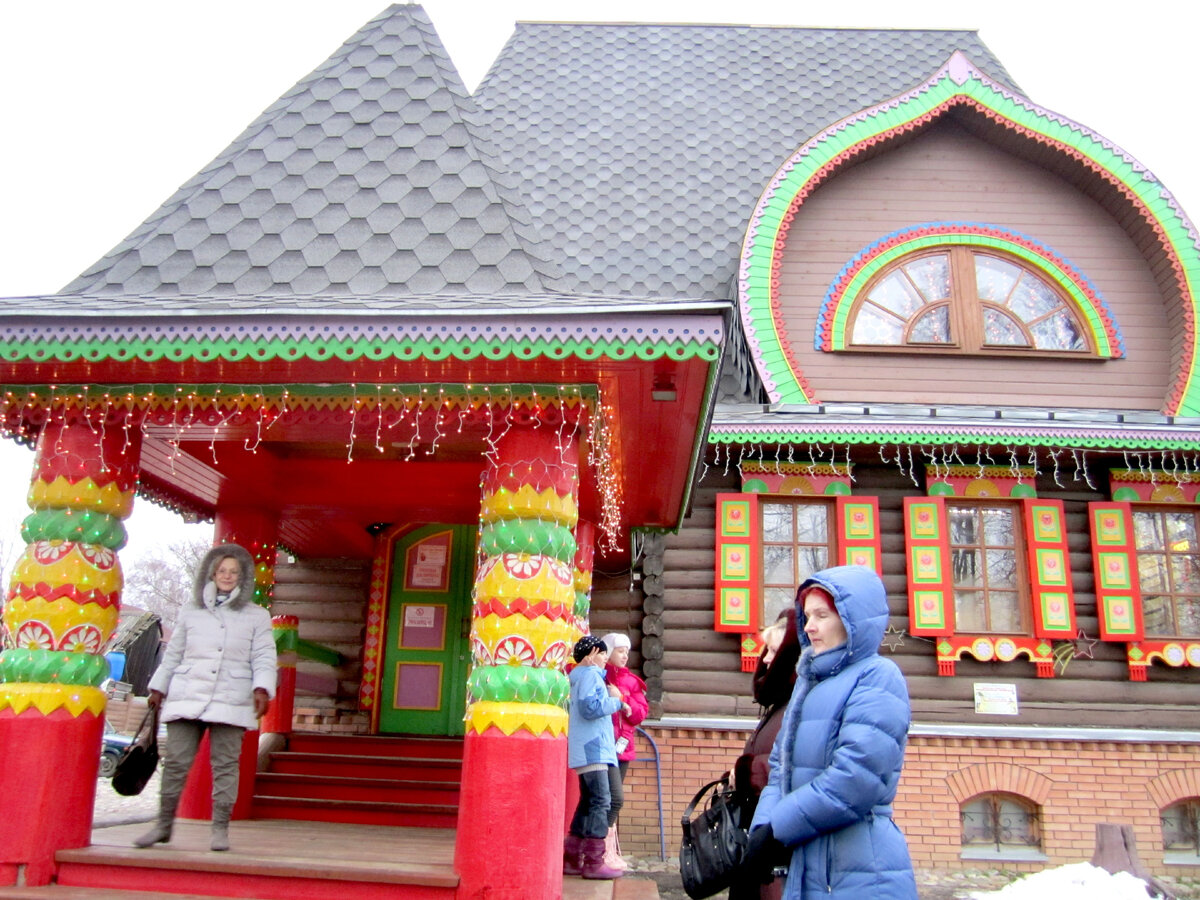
point(220, 829)
point(220, 836)
point(161, 832)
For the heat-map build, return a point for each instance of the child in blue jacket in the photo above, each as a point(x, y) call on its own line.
point(590, 751)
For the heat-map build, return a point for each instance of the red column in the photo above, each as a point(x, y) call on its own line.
point(256, 530)
point(515, 749)
point(62, 607)
point(278, 719)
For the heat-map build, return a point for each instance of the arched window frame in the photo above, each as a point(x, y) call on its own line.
point(965, 325)
point(1010, 837)
point(848, 290)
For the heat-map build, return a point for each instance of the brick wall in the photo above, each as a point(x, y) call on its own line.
point(1076, 783)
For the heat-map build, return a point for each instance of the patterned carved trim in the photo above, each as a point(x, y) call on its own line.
point(957, 84)
point(855, 275)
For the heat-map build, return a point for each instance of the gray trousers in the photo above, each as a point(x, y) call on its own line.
point(183, 740)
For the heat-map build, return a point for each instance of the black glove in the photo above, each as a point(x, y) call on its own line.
point(762, 853)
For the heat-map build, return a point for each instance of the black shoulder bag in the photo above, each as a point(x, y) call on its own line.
point(140, 758)
point(714, 843)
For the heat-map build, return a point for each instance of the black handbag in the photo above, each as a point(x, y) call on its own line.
point(714, 843)
point(140, 758)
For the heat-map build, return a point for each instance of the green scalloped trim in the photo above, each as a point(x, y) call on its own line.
point(799, 174)
point(1047, 267)
point(348, 349)
point(518, 684)
point(1085, 442)
point(26, 666)
point(81, 525)
point(533, 536)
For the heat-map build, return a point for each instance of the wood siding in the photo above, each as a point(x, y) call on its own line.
point(702, 675)
point(946, 174)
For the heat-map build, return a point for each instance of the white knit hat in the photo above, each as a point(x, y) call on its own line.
point(613, 640)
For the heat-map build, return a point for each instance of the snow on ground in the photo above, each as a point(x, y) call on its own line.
point(1079, 881)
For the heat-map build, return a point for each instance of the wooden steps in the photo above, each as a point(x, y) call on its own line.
point(369, 780)
point(271, 860)
point(280, 860)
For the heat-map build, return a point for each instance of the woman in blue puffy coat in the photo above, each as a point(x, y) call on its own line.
point(837, 761)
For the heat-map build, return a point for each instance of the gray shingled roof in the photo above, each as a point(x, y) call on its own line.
point(363, 180)
point(641, 149)
point(377, 185)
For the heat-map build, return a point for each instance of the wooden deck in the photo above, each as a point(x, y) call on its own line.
point(281, 860)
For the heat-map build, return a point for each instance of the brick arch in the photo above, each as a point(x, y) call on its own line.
point(959, 85)
point(990, 778)
point(1171, 787)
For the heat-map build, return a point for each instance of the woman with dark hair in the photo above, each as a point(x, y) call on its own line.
point(773, 681)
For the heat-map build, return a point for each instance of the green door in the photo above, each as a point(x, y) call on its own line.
point(428, 626)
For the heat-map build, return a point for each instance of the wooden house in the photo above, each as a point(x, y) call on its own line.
point(659, 320)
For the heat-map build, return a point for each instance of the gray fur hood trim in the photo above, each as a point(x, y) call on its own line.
point(212, 559)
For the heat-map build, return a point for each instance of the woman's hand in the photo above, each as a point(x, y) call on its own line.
point(155, 699)
point(262, 702)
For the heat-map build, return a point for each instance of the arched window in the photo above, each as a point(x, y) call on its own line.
point(1000, 826)
point(1181, 831)
point(959, 298)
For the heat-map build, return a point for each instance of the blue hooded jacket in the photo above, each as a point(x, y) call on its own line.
point(837, 760)
point(589, 725)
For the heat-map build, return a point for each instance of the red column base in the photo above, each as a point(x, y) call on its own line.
point(196, 800)
point(48, 767)
point(509, 843)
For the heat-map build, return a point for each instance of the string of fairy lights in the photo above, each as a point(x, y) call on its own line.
point(413, 418)
point(914, 460)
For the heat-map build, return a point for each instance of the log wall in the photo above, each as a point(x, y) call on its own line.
point(701, 667)
point(329, 597)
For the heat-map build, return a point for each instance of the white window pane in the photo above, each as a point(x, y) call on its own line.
point(1157, 615)
point(931, 275)
point(873, 326)
point(1005, 610)
point(932, 328)
point(810, 560)
point(1002, 568)
point(777, 565)
point(777, 521)
point(1032, 299)
point(1058, 332)
point(968, 611)
point(1148, 531)
point(999, 330)
point(812, 524)
point(775, 601)
point(994, 278)
point(997, 527)
point(896, 294)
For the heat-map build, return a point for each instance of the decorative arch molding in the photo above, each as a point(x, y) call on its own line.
point(855, 275)
point(956, 84)
point(997, 777)
point(1171, 787)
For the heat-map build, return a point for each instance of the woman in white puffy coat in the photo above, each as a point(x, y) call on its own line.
point(217, 675)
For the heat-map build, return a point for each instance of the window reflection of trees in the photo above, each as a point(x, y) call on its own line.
point(1168, 561)
point(1002, 821)
point(796, 538)
point(985, 566)
point(1181, 827)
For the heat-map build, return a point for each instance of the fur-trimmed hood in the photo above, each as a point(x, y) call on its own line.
point(212, 559)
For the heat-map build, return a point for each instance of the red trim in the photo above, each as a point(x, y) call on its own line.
point(1047, 549)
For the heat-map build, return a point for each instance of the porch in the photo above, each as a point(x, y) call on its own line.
point(275, 859)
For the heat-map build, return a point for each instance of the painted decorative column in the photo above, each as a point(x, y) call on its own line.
point(61, 609)
point(256, 530)
point(515, 748)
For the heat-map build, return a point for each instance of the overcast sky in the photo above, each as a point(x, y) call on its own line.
point(109, 106)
